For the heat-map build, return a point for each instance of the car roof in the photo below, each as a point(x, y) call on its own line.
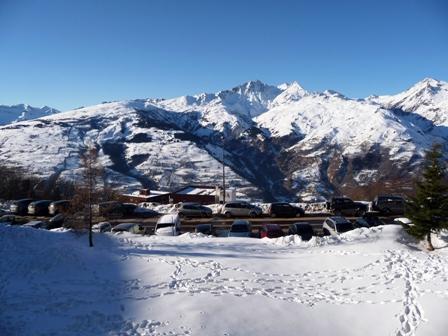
point(125, 225)
point(301, 224)
point(272, 226)
point(204, 225)
point(240, 222)
point(168, 219)
point(60, 201)
point(42, 201)
point(338, 219)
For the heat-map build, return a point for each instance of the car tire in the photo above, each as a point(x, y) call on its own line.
point(252, 214)
point(227, 214)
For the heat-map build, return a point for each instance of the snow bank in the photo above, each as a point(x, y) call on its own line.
point(354, 236)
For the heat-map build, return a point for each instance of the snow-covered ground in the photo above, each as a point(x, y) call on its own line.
point(367, 282)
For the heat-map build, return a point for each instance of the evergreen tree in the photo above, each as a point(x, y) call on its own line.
point(428, 210)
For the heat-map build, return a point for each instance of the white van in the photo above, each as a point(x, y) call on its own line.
point(168, 225)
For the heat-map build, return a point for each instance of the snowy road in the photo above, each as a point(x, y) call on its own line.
point(366, 283)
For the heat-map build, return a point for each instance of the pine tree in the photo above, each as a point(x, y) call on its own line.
point(428, 210)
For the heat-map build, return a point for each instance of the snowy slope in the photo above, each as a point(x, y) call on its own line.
point(367, 282)
point(21, 112)
point(427, 98)
point(135, 151)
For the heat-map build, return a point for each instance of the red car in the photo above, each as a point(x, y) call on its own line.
point(270, 231)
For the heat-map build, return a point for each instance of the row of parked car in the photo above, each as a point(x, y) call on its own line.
point(170, 225)
point(386, 205)
point(29, 206)
point(33, 207)
point(239, 209)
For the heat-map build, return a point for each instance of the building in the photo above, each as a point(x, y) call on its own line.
point(202, 194)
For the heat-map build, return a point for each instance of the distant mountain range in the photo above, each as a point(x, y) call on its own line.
point(279, 142)
point(14, 113)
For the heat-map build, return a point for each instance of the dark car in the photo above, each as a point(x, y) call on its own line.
point(110, 209)
point(280, 209)
point(58, 207)
point(39, 208)
point(37, 225)
point(270, 231)
point(303, 229)
point(369, 219)
point(389, 205)
point(56, 222)
point(207, 229)
point(20, 207)
point(344, 206)
point(13, 220)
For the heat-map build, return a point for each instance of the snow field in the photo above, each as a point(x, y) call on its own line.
point(368, 281)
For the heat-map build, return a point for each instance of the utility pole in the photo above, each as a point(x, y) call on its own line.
point(223, 175)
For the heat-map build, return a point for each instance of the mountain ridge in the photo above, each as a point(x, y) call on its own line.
point(280, 142)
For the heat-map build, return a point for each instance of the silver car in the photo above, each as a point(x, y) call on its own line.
point(193, 210)
point(240, 209)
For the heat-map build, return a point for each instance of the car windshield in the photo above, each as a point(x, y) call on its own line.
point(344, 227)
point(164, 225)
point(239, 228)
point(373, 220)
point(304, 229)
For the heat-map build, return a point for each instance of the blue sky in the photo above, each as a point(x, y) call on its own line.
point(76, 53)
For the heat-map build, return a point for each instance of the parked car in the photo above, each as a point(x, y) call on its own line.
point(20, 207)
point(303, 229)
point(389, 205)
point(168, 225)
point(37, 225)
point(4, 212)
point(56, 221)
point(240, 228)
point(39, 208)
point(403, 221)
point(102, 227)
point(111, 208)
point(243, 209)
point(128, 208)
point(270, 231)
point(369, 219)
point(336, 225)
point(58, 207)
point(281, 209)
point(193, 210)
point(145, 213)
point(344, 206)
point(207, 229)
point(129, 227)
point(13, 220)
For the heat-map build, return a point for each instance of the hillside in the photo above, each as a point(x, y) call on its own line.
point(279, 141)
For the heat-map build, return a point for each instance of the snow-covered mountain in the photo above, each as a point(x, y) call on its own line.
point(21, 112)
point(279, 141)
